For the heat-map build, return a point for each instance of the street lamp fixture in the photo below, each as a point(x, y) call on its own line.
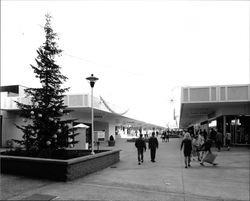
point(92, 79)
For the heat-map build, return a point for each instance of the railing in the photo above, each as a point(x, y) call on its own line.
point(223, 93)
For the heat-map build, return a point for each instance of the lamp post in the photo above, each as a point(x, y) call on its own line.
point(172, 101)
point(92, 81)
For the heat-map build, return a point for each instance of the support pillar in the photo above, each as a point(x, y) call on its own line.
point(224, 129)
point(235, 131)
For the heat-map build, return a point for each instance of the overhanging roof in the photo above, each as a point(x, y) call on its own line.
point(192, 113)
point(119, 120)
point(81, 103)
point(10, 88)
point(203, 103)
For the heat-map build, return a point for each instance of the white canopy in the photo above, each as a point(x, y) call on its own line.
point(81, 126)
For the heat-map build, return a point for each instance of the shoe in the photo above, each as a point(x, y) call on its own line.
point(139, 163)
point(189, 165)
point(153, 161)
point(186, 167)
point(202, 164)
point(142, 161)
point(214, 164)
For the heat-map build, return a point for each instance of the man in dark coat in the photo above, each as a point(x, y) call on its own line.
point(153, 145)
point(141, 146)
point(213, 135)
point(219, 140)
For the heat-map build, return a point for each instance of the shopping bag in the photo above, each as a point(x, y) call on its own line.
point(209, 158)
point(194, 153)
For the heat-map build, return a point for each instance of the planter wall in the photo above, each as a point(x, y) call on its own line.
point(61, 170)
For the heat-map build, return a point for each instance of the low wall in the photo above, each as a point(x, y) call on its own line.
point(61, 170)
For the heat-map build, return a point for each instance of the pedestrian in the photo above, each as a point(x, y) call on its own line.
point(167, 137)
point(111, 138)
point(219, 140)
point(200, 142)
point(205, 135)
point(213, 135)
point(163, 136)
point(195, 147)
point(187, 143)
point(206, 147)
point(141, 147)
point(228, 140)
point(153, 145)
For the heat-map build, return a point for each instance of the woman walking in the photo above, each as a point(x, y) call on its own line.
point(209, 157)
point(187, 143)
point(195, 147)
point(200, 142)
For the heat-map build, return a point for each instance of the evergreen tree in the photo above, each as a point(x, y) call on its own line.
point(45, 128)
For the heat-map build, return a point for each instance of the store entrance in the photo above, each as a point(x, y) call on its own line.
point(1, 130)
point(240, 129)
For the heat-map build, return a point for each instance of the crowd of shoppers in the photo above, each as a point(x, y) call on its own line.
point(201, 145)
point(195, 146)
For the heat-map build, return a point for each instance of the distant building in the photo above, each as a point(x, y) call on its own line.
point(106, 121)
point(225, 107)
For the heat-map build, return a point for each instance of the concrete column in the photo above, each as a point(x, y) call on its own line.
point(81, 138)
point(224, 128)
point(235, 130)
point(207, 128)
point(112, 130)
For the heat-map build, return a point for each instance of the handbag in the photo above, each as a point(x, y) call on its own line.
point(201, 148)
point(209, 158)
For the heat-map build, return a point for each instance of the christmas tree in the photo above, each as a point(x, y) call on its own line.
point(45, 128)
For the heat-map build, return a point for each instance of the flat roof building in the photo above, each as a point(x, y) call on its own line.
point(225, 107)
point(107, 117)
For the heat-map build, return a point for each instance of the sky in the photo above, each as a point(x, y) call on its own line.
point(142, 51)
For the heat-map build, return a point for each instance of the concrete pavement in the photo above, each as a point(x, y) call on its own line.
point(167, 179)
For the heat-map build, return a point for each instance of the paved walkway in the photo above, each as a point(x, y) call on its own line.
point(167, 179)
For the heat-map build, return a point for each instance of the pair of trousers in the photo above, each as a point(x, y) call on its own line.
point(219, 144)
point(140, 155)
point(152, 153)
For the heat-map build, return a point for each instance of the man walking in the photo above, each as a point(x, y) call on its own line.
point(153, 145)
point(213, 135)
point(228, 140)
point(141, 146)
point(219, 140)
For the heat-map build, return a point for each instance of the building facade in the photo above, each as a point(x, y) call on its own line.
point(225, 107)
point(108, 118)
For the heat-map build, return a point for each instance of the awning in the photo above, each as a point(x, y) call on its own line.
point(81, 126)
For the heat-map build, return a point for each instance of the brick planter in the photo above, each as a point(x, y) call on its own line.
point(61, 170)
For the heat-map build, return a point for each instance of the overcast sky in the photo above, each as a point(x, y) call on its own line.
point(142, 51)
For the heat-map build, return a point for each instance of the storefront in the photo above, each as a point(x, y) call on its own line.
point(226, 108)
point(106, 121)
